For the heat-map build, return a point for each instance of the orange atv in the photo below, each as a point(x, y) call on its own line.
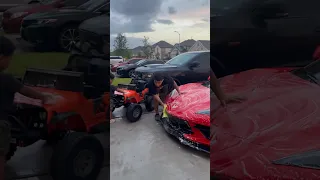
point(81, 110)
point(132, 100)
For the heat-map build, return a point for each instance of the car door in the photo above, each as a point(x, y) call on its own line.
point(292, 29)
point(202, 71)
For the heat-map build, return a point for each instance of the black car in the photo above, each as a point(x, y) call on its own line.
point(59, 28)
point(184, 68)
point(94, 44)
point(128, 70)
point(266, 33)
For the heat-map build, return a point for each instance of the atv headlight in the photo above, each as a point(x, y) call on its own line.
point(146, 76)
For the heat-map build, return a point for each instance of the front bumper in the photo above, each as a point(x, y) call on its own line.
point(38, 34)
point(186, 135)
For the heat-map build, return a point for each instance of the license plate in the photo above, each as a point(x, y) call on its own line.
point(13, 140)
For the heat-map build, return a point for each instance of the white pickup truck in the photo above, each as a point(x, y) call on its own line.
point(115, 60)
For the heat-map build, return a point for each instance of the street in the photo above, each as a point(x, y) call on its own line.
point(143, 151)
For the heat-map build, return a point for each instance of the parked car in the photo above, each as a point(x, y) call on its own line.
point(130, 61)
point(274, 133)
point(13, 17)
point(268, 33)
point(59, 28)
point(128, 70)
point(93, 44)
point(116, 60)
point(187, 116)
point(185, 68)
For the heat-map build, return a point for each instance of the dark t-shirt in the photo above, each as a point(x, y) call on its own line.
point(8, 87)
point(153, 89)
point(112, 90)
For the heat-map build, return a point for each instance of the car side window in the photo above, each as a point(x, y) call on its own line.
point(204, 61)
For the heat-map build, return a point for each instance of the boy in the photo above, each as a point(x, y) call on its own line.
point(112, 90)
point(160, 86)
point(8, 87)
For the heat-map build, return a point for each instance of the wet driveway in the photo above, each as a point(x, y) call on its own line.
point(143, 151)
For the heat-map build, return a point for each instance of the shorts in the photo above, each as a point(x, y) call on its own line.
point(5, 137)
point(165, 91)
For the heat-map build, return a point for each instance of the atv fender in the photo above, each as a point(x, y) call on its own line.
point(62, 117)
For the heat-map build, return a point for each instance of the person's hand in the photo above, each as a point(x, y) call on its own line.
point(232, 99)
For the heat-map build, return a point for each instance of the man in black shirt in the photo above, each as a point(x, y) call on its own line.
point(159, 87)
point(8, 87)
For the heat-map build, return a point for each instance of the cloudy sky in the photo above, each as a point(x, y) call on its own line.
point(158, 19)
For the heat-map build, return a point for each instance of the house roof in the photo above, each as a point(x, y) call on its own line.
point(189, 42)
point(162, 44)
point(137, 49)
point(205, 43)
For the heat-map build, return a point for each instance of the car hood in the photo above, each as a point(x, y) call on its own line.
point(98, 25)
point(56, 13)
point(127, 66)
point(64, 98)
point(155, 67)
point(277, 124)
point(192, 105)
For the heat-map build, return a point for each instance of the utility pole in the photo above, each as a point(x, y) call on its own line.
point(179, 41)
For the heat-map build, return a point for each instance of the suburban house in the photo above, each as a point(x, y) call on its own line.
point(161, 50)
point(201, 45)
point(137, 51)
point(184, 47)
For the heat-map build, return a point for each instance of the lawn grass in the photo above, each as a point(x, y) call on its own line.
point(117, 81)
point(20, 62)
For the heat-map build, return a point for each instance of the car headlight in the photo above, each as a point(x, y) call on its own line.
point(18, 14)
point(46, 21)
point(147, 76)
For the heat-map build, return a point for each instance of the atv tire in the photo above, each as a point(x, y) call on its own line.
point(149, 103)
point(79, 156)
point(134, 112)
point(55, 137)
point(12, 150)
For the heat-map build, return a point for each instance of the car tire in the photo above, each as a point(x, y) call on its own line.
point(68, 37)
point(68, 155)
point(134, 112)
point(12, 150)
point(131, 73)
point(149, 103)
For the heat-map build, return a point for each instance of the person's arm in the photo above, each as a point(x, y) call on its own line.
point(157, 98)
point(32, 94)
point(175, 85)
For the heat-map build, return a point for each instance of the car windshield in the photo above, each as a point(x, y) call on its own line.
point(91, 5)
point(139, 63)
point(310, 72)
point(182, 59)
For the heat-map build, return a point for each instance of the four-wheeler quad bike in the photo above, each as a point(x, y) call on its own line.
point(132, 100)
point(81, 111)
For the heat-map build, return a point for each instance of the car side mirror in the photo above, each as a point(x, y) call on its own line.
point(194, 65)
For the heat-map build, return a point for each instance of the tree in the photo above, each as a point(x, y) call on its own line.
point(121, 45)
point(147, 48)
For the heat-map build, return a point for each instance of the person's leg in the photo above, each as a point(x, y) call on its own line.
point(5, 137)
point(156, 109)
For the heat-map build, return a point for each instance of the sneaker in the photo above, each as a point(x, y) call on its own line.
point(157, 117)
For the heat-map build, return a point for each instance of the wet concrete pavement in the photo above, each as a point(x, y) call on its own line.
point(143, 151)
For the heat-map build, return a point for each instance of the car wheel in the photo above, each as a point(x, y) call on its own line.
point(78, 156)
point(68, 38)
point(134, 112)
point(149, 103)
point(12, 150)
point(131, 73)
